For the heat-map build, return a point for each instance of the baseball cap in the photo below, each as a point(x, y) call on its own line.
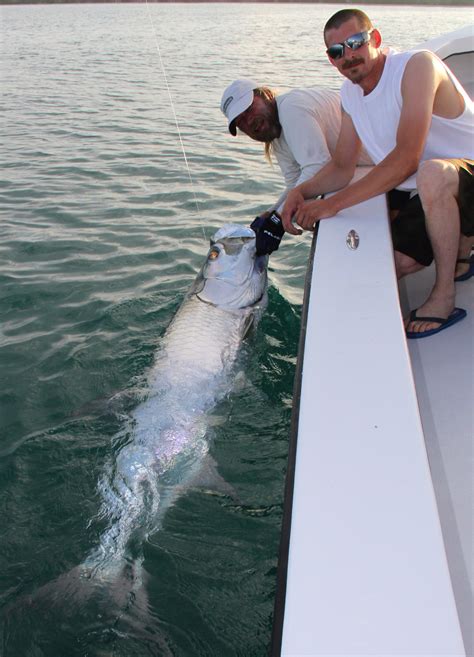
point(236, 99)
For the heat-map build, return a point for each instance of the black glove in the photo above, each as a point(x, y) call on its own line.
point(269, 231)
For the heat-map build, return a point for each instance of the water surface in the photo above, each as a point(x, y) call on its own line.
point(103, 226)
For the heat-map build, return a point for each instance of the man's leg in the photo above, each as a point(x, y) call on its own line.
point(464, 251)
point(438, 184)
point(405, 265)
point(412, 247)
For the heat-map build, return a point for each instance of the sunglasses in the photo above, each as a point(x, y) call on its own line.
point(354, 42)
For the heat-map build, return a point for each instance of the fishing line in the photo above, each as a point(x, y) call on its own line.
point(158, 49)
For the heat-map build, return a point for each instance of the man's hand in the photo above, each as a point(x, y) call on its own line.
point(269, 230)
point(294, 201)
point(312, 211)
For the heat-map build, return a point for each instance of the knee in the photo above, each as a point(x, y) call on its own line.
point(436, 179)
point(405, 264)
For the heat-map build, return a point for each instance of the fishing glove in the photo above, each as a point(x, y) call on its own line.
point(269, 231)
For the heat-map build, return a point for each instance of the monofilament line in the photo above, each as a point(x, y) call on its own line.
point(174, 115)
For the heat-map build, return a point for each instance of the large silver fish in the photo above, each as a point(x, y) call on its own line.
point(166, 447)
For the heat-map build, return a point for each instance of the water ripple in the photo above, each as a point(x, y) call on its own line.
point(103, 225)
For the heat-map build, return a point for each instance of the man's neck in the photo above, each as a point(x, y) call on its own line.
point(369, 83)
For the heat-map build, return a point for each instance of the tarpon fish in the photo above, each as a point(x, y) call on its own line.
point(166, 448)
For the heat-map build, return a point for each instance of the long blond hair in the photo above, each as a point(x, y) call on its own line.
point(268, 94)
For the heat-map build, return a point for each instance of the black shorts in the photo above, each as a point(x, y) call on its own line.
point(408, 228)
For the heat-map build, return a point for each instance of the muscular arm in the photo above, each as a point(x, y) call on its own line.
point(419, 86)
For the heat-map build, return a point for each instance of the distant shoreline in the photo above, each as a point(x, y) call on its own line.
point(432, 3)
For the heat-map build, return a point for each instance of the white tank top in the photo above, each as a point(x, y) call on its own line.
point(377, 115)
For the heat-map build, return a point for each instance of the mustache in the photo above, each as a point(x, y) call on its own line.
point(352, 63)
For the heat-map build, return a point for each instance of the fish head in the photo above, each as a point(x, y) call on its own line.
point(233, 276)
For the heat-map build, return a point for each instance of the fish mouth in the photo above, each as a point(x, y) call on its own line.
point(223, 294)
point(233, 276)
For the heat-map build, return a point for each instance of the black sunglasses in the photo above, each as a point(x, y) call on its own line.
point(353, 42)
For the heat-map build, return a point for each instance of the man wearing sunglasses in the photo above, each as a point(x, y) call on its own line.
point(299, 127)
point(416, 122)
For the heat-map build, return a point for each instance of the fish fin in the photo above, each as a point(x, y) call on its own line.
point(240, 381)
point(121, 605)
point(216, 420)
point(248, 325)
point(112, 587)
point(118, 405)
point(208, 479)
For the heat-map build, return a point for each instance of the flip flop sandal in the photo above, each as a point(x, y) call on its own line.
point(470, 272)
point(455, 316)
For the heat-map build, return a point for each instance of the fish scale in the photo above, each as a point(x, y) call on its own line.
point(204, 337)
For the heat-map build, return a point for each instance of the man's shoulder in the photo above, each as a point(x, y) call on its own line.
point(308, 92)
point(307, 97)
point(396, 58)
point(409, 65)
point(421, 57)
point(394, 68)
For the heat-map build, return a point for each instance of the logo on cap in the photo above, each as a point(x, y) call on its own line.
point(227, 103)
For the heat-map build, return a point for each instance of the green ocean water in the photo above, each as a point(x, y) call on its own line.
point(116, 170)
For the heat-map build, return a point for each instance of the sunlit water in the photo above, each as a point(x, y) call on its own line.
point(104, 223)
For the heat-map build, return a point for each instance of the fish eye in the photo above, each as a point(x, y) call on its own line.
point(213, 253)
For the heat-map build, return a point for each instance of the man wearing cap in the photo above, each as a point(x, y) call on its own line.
point(300, 128)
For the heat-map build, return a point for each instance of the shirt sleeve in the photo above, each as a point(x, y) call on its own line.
point(306, 142)
point(303, 151)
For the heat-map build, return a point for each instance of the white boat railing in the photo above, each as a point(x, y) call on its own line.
point(366, 569)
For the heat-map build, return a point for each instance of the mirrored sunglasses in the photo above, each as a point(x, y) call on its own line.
point(353, 42)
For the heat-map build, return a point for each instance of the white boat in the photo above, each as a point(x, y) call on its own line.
point(376, 550)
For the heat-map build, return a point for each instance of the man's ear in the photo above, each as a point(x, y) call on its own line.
point(377, 37)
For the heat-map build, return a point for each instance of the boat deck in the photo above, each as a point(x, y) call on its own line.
point(372, 482)
point(443, 368)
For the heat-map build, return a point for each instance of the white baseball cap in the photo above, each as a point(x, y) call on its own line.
point(236, 99)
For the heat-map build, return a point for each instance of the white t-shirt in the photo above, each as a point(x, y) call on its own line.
point(376, 117)
point(310, 121)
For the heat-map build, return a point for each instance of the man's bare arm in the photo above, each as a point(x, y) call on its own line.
point(419, 85)
point(337, 173)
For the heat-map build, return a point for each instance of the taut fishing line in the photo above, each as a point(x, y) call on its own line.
point(175, 117)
